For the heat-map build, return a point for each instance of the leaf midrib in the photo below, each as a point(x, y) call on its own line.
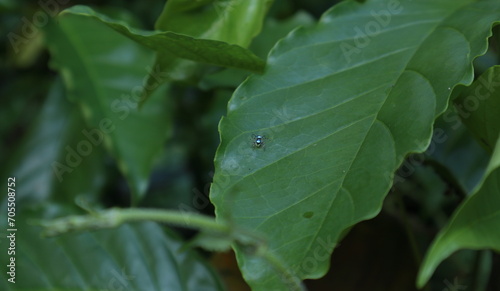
point(377, 112)
point(431, 31)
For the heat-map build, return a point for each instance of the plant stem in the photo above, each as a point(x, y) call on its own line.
point(115, 217)
point(481, 270)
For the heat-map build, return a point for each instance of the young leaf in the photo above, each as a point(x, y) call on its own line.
point(340, 105)
point(105, 72)
point(475, 224)
point(232, 21)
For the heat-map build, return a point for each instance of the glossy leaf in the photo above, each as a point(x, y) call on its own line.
point(105, 72)
point(475, 224)
point(340, 105)
point(141, 256)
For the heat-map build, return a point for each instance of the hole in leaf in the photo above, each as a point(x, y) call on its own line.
point(308, 214)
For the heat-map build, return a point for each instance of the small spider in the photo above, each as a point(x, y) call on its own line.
point(258, 140)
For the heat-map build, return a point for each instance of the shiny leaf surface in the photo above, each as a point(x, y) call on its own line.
point(339, 106)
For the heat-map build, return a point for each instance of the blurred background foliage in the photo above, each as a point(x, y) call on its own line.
point(38, 121)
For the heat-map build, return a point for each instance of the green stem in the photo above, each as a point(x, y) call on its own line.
point(481, 270)
point(115, 217)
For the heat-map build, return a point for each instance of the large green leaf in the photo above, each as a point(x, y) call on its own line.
point(340, 105)
point(475, 224)
point(141, 256)
point(105, 72)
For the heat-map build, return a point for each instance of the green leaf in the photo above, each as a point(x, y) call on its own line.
point(479, 105)
point(340, 105)
point(450, 140)
point(473, 226)
point(182, 51)
point(39, 163)
point(177, 45)
point(105, 72)
point(140, 256)
point(232, 21)
point(272, 32)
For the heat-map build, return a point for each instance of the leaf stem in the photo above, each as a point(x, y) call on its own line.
point(481, 270)
point(115, 217)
